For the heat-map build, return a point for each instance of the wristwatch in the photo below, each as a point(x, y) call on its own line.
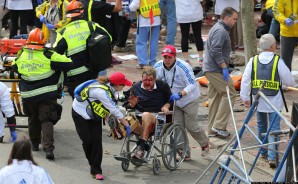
point(180, 94)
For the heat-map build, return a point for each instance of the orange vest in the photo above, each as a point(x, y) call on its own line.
point(146, 5)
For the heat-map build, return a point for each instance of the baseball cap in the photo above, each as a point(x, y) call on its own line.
point(119, 78)
point(168, 50)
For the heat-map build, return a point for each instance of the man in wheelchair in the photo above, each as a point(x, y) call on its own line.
point(148, 97)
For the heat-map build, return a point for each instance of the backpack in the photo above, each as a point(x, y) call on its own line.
point(99, 49)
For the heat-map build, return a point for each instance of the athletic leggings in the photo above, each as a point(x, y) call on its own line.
point(196, 29)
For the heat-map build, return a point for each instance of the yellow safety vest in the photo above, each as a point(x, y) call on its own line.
point(95, 109)
point(35, 66)
point(146, 5)
point(265, 72)
point(76, 35)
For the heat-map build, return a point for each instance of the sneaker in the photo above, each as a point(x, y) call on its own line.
point(140, 66)
point(121, 49)
point(212, 133)
point(205, 150)
point(222, 133)
point(139, 153)
point(50, 155)
point(98, 177)
point(272, 163)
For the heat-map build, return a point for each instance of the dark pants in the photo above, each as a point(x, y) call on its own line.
point(123, 31)
point(90, 132)
point(196, 29)
point(287, 48)
point(15, 15)
point(112, 25)
point(39, 115)
point(33, 20)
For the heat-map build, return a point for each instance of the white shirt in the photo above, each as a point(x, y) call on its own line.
point(184, 79)
point(101, 95)
point(24, 172)
point(188, 11)
point(143, 22)
point(19, 5)
point(222, 4)
point(5, 106)
point(284, 74)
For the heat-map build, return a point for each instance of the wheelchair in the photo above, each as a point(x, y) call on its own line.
point(171, 137)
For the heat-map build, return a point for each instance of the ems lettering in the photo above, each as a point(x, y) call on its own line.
point(271, 85)
point(145, 9)
point(155, 6)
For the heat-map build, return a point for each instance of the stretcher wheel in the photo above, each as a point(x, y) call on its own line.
point(125, 165)
point(156, 166)
point(174, 146)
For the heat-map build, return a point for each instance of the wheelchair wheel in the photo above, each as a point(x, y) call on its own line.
point(131, 145)
point(174, 146)
point(125, 165)
point(156, 166)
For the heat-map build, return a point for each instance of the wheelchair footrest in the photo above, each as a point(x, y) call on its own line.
point(140, 161)
point(121, 158)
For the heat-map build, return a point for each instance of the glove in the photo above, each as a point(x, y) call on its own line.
point(39, 2)
point(226, 74)
point(42, 19)
point(289, 22)
point(127, 129)
point(175, 97)
point(127, 9)
point(50, 26)
point(14, 136)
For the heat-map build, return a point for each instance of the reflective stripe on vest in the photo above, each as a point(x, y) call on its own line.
point(42, 90)
point(38, 77)
point(97, 106)
point(268, 73)
point(77, 71)
point(33, 65)
point(76, 35)
point(89, 10)
point(146, 5)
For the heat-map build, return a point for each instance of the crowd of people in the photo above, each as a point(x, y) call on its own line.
point(65, 25)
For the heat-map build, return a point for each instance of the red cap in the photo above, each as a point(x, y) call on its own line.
point(119, 78)
point(169, 50)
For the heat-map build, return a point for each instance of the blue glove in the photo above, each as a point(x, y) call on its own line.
point(174, 97)
point(226, 74)
point(127, 9)
point(50, 26)
point(289, 22)
point(42, 19)
point(14, 136)
point(127, 129)
point(39, 2)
